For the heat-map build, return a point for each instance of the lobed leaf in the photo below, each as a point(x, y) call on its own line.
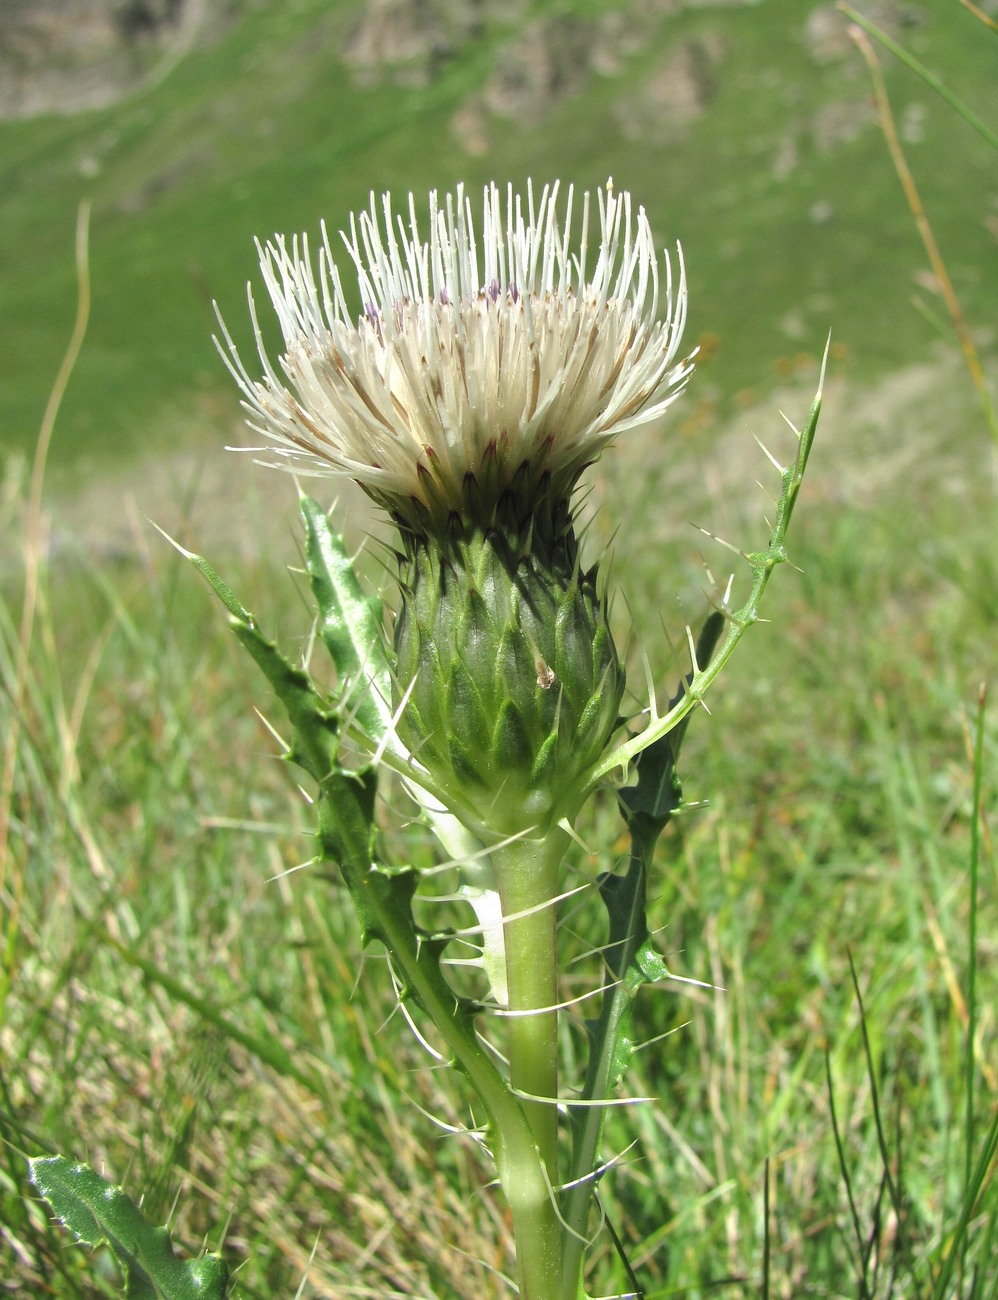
point(97, 1212)
point(349, 625)
point(631, 958)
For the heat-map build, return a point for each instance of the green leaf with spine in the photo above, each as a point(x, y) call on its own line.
point(98, 1212)
point(350, 626)
point(514, 685)
point(382, 895)
point(631, 959)
point(763, 565)
point(646, 808)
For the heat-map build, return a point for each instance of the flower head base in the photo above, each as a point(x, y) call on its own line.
point(480, 364)
point(509, 676)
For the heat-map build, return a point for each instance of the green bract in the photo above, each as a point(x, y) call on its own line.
point(509, 670)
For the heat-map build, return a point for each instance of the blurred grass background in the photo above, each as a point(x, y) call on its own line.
point(746, 131)
point(154, 958)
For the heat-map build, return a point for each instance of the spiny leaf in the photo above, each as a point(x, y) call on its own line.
point(630, 956)
point(347, 836)
point(349, 624)
point(763, 565)
point(647, 806)
point(316, 726)
point(96, 1211)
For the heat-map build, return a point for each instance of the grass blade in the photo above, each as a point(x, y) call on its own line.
point(893, 1189)
point(862, 1248)
point(921, 71)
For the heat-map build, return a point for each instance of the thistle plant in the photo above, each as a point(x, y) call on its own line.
point(483, 366)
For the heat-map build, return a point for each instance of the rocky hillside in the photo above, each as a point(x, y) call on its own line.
point(540, 61)
point(60, 56)
point(744, 128)
point(67, 55)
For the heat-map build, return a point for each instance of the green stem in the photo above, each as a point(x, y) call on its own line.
point(524, 1177)
point(527, 873)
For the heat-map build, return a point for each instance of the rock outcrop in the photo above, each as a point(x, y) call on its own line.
point(62, 56)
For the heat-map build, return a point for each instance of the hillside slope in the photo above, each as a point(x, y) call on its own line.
point(744, 128)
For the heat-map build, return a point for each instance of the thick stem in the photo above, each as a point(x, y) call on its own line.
point(527, 874)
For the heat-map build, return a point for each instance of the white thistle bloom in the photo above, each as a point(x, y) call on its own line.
point(479, 361)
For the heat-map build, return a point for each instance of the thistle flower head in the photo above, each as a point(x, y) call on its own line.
point(483, 363)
